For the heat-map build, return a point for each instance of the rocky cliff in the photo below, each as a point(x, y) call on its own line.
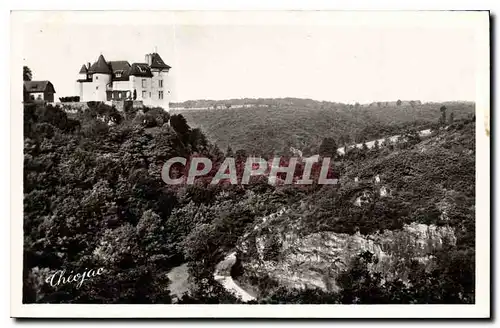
point(283, 253)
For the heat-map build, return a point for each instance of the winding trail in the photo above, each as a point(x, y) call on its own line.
point(370, 144)
point(222, 274)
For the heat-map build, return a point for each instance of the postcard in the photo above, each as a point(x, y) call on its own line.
point(250, 164)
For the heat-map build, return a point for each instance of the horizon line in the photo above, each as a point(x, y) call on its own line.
point(326, 101)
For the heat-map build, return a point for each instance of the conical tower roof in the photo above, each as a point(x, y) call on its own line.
point(157, 62)
point(83, 70)
point(100, 66)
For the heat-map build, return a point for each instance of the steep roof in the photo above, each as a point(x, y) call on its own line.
point(124, 69)
point(140, 69)
point(120, 70)
point(83, 70)
point(38, 86)
point(119, 65)
point(157, 62)
point(100, 66)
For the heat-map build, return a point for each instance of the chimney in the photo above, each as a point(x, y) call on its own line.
point(148, 59)
point(88, 65)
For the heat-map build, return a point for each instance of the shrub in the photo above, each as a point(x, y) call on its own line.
point(69, 99)
point(93, 104)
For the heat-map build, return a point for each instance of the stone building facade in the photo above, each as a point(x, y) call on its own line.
point(119, 80)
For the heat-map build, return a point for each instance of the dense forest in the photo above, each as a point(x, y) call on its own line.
point(94, 197)
point(273, 125)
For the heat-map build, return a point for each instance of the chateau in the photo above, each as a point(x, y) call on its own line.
point(119, 80)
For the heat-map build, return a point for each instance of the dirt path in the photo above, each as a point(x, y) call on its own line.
point(179, 281)
point(371, 144)
point(222, 274)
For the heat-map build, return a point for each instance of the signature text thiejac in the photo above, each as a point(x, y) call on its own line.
point(60, 278)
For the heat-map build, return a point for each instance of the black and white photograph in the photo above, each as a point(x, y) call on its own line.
point(191, 160)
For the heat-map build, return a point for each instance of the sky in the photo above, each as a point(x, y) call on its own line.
point(343, 63)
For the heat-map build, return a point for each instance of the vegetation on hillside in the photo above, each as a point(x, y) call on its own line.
point(304, 123)
point(94, 197)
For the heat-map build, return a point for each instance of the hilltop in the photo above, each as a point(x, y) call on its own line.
point(273, 125)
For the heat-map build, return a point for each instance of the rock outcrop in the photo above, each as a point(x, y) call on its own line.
point(283, 253)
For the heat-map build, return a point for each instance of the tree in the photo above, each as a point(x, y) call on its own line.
point(197, 139)
point(442, 120)
point(328, 147)
point(343, 140)
point(229, 152)
point(398, 103)
point(358, 284)
point(156, 116)
point(241, 154)
point(27, 74)
point(179, 123)
point(451, 118)
point(411, 137)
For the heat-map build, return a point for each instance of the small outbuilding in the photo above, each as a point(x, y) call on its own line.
point(39, 90)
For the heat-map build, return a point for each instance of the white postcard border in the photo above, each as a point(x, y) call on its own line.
point(480, 21)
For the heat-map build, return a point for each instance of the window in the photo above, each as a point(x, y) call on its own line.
point(141, 69)
point(160, 94)
point(143, 83)
point(118, 73)
point(96, 77)
point(120, 95)
point(160, 83)
point(143, 94)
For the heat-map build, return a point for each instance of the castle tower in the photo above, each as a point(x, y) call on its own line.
point(83, 75)
point(101, 78)
point(160, 84)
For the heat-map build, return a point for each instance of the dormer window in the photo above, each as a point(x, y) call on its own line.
point(141, 69)
point(118, 73)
